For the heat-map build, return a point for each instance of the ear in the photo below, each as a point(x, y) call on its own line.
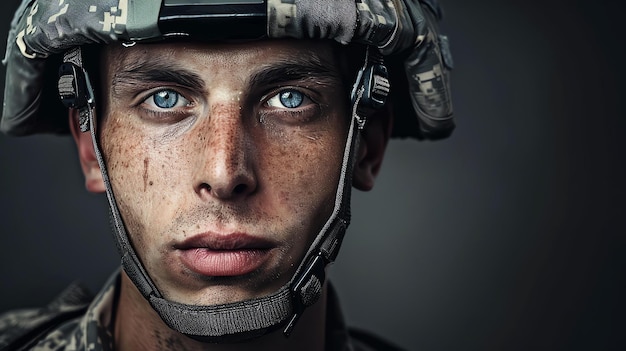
point(374, 138)
point(86, 155)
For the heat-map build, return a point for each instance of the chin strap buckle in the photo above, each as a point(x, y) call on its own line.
point(308, 287)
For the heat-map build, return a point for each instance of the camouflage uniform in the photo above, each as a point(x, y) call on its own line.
point(76, 321)
point(73, 321)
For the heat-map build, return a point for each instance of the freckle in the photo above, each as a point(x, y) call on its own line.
point(146, 162)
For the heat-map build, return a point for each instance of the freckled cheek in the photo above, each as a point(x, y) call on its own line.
point(304, 178)
point(145, 176)
point(124, 163)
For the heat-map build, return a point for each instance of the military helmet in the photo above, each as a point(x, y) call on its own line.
point(42, 30)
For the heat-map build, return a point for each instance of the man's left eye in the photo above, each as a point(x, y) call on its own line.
point(166, 99)
point(287, 98)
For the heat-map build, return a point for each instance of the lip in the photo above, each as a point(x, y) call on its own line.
point(220, 255)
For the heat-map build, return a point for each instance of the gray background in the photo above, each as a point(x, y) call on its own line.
point(510, 235)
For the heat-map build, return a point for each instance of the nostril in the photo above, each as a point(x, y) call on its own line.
point(204, 187)
point(240, 189)
point(222, 192)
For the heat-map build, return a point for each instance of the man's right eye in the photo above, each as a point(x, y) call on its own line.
point(166, 99)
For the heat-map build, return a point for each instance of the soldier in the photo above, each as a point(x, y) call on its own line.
point(227, 136)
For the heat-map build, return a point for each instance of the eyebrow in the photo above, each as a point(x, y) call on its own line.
point(308, 68)
point(154, 71)
point(305, 69)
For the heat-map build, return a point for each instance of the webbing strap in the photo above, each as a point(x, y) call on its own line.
point(220, 321)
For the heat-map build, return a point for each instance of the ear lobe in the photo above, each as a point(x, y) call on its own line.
point(374, 138)
point(87, 155)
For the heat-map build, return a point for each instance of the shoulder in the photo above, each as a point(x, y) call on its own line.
point(366, 341)
point(20, 328)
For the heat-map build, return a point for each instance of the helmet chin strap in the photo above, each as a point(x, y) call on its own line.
point(247, 319)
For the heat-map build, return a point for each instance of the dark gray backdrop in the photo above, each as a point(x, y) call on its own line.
point(510, 235)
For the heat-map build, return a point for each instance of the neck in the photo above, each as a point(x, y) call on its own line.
point(138, 327)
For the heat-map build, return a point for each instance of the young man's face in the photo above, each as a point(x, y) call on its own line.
point(224, 160)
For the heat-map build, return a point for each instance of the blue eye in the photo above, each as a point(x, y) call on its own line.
point(166, 105)
point(165, 98)
point(291, 98)
point(287, 98)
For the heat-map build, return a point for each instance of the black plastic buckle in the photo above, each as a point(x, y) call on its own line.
point(307, 290)
point(72, 86)
point(75, 88)
point(376, 84)
point(371, 87)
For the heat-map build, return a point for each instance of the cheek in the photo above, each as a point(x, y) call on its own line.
point(122, 152)
point(303, 172)
point(137, 166)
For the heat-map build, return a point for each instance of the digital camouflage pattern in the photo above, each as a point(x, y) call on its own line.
point(41, 31)
point(386, 24)
point(76, 322)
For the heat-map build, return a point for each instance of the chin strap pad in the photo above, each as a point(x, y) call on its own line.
point(228, 322)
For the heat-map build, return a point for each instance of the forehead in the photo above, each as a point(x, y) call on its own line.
point(237, 57)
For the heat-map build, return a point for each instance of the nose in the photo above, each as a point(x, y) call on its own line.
point(226, 171)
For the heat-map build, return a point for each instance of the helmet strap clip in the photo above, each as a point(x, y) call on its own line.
point(371, 88)
point(75, 87)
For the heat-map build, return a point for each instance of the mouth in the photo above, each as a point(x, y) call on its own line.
point(218, 255)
